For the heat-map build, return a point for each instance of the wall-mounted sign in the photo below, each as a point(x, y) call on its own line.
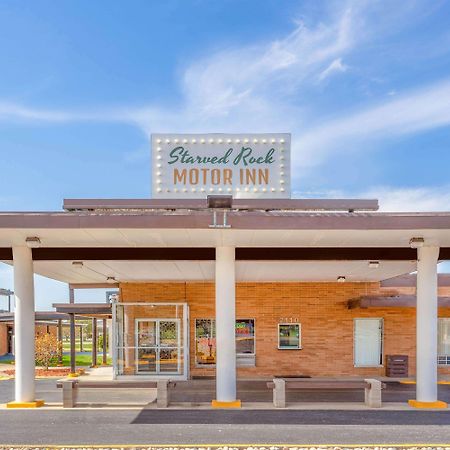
point(241, 165)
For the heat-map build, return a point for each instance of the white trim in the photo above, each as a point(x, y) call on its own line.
point(441, 355)
point(182, 374)
point(299, 336)
point(253, 355)
point(115, 336)
point(381, 320)
point(157, 346)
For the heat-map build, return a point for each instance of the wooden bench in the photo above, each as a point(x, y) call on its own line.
point(70, 389)
point(372, 388)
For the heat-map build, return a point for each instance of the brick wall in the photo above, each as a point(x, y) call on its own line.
point(3, 339)
point(321, 308)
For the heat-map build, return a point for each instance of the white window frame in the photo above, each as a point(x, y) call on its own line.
point(441, 357)
point(249, 355)
point(299, 325)
point(157, 345)
point(381, 320)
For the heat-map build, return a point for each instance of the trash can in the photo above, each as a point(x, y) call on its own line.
point(397, 365)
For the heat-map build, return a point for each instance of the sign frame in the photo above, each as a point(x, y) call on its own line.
point(246, 165)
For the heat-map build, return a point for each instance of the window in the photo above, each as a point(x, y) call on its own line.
point(444, 342)
point(289, 337)
point(368, 338)
point(245, 337)
point(205, 342)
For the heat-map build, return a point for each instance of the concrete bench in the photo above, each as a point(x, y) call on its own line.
point(70, 389)
point(372, 388)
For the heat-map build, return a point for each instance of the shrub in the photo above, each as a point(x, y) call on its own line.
point(47, 349)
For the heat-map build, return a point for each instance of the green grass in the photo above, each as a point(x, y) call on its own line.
point(87, 346)
point(83, 360)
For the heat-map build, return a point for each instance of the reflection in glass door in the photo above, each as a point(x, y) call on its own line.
point(158, 346)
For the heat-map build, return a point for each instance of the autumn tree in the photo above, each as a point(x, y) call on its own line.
point(47, 348)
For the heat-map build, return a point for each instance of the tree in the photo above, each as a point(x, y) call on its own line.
point(47, 348)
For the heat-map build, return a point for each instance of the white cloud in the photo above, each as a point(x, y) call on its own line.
point(264, 87)
point(419, 110)
point(411, 199)
point(394, 198)
point(336, 66)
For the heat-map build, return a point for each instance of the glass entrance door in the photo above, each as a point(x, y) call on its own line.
point(158, 346)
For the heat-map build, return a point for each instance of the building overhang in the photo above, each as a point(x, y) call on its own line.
point(102, 310)
point(40, 316)
point(393, 301)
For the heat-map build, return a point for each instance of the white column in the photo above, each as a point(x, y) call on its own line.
point(225, 325)
point(426, 319)
point(24, 324)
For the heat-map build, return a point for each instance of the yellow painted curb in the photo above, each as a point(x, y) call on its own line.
point(425, 405)
point(217, 404)
point(35, 404)
point(73, 375)
point(413, 382)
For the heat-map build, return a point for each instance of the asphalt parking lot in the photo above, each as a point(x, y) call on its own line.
point(149, 426)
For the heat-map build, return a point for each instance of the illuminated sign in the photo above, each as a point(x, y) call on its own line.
point(241, 165)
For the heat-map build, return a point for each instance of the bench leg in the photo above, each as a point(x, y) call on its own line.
point(373, 394)
point(279, 393)
point(162, 394)
point(70, 392)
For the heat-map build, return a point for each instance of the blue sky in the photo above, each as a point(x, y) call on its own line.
point(363, 86)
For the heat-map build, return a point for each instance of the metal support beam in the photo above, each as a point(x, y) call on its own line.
point(60, 340)
point(73, 367)
point(105, 337)
point(94, 342)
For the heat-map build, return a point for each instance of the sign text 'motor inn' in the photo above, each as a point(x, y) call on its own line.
point(245, 166)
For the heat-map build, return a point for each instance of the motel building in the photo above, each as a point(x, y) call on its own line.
point(222, 274)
